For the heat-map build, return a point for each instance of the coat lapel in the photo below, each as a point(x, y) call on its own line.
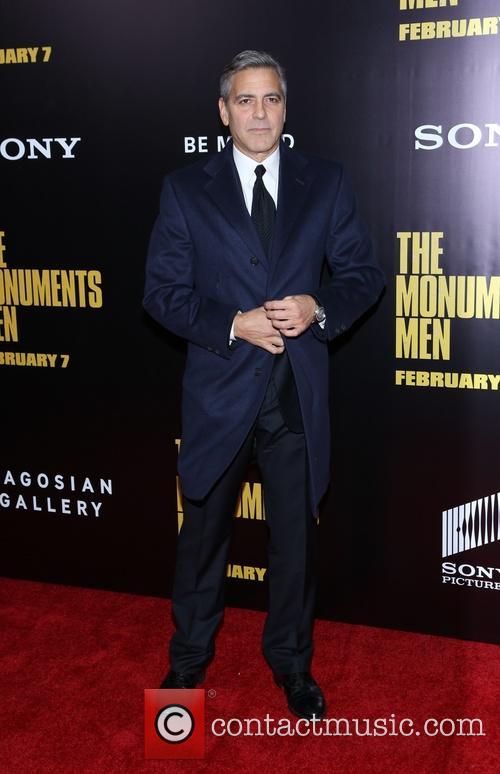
point(225, 190)
point(293, 190)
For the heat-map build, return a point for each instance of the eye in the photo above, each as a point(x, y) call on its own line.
point(244, 101)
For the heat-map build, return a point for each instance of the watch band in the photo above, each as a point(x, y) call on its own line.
point(319, 313)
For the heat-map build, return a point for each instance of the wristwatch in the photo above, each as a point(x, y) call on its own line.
point(319, 314)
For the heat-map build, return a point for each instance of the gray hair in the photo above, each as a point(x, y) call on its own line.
point(245, 60)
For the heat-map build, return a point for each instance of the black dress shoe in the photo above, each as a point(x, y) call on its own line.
point(183, 679)
point(303, 693)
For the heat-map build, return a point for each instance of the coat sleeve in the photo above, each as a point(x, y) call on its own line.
point(170, 295)
point(356, 280)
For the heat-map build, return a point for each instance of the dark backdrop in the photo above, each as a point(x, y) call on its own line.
point(132, 80)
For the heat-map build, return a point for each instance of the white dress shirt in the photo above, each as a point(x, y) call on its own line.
point(246, 172)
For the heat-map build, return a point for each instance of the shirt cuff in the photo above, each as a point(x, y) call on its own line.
point(232, 337)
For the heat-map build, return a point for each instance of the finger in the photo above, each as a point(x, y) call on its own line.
point(291, 332)
point(281, 325)
point(274, 304)
point(281, 315)
point(285, 310)
point(274, 347)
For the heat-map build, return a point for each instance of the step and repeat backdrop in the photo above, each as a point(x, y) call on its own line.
point(100, 99)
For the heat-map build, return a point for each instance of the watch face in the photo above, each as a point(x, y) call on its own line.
point(320, 314)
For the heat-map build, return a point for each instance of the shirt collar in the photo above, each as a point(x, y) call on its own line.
point(246, 166)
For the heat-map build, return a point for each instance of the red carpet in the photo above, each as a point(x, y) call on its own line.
point(75, 663)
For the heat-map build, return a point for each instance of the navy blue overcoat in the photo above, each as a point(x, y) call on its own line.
point(205, 262)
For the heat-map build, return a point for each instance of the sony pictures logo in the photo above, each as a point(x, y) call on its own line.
point(467, 528)
point(15, 149)
point(464, 136)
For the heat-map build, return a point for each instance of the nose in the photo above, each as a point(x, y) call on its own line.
point(259, 110)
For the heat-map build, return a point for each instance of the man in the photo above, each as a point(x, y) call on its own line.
point(234, 268)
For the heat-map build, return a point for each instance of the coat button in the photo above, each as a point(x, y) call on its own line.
point(254, 260)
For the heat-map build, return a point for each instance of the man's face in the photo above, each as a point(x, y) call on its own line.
point(255, 111)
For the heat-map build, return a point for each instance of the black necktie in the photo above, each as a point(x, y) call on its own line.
point(264, 215)
point(263, 209)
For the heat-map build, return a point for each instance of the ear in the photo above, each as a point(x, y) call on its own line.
point(223, 112)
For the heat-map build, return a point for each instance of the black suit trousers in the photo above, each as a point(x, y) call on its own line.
point(203, 542)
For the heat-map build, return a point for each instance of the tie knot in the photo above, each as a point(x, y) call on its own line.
point(260, 171)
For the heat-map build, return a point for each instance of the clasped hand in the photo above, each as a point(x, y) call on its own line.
point(266, 325)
